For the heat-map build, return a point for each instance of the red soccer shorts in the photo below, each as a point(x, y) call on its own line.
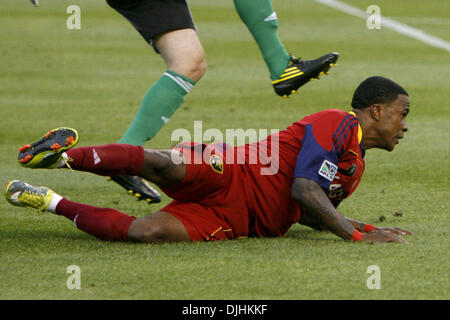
point(211, 200)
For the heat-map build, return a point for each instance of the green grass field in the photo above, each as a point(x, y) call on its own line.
point(93, 79)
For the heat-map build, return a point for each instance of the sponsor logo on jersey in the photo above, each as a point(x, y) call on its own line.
point(336, 191)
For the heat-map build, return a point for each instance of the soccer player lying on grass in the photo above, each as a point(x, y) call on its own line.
point(320, 162)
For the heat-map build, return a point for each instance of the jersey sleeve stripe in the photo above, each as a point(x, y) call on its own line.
point(341, 125)
point(339, 137)
point(349, 129)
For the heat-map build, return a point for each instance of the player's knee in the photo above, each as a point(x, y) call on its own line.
point(192, 66)
point(163, 167)
point(183, 52)
point(195, 69)
point(200, 68)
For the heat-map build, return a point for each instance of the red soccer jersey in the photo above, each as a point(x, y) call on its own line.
point(246, 190)
point(324, 147)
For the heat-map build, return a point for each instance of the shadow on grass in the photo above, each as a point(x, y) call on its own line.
point(295, 233)
point(44, 235)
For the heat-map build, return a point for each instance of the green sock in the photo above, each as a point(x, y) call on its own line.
point(160, 102)
point(261, 21)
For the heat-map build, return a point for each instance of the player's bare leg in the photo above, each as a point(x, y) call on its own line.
point(157, 228)
point(183, 53)
point(160, 169)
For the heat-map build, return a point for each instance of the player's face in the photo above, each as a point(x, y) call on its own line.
point(393, 125)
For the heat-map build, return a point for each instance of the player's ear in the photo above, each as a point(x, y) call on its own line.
point(375, 111)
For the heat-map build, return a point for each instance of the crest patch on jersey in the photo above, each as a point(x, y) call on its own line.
point(328, 170)
point(216, 163)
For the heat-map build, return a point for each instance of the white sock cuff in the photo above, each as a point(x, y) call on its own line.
point(56, 198)
point(186, 85)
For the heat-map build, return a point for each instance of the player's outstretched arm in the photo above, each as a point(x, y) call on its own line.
point(320, 209)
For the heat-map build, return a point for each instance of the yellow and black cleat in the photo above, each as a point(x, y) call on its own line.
point(138, 187)
point(299, 72)
point(48, 151)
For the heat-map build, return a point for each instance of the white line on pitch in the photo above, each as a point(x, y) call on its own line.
point(424, 20)
point(391, 24)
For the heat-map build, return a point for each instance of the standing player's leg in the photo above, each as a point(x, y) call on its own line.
point(185, 59)
point(168, 26)
point(287, 73)
point(261, 20)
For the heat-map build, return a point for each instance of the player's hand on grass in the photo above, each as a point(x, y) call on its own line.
point(394, 230)
point(378, 235)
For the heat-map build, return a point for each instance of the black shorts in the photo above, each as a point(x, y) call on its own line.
point(155, 17)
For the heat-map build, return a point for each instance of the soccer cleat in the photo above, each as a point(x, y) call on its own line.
point(299, 72)
point(22, 194)
point(138, 187)
point(48, 151)
point(35, 3)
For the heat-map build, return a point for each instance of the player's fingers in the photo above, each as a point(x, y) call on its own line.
point(390, 231)
point(401, 231)
point(397, 231)
point(398, 239)
point(406, 231)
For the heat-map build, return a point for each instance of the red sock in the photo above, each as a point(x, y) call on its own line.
point(108, 160)
point(103, 223)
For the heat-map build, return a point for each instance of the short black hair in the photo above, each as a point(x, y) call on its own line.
point(374, 90)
